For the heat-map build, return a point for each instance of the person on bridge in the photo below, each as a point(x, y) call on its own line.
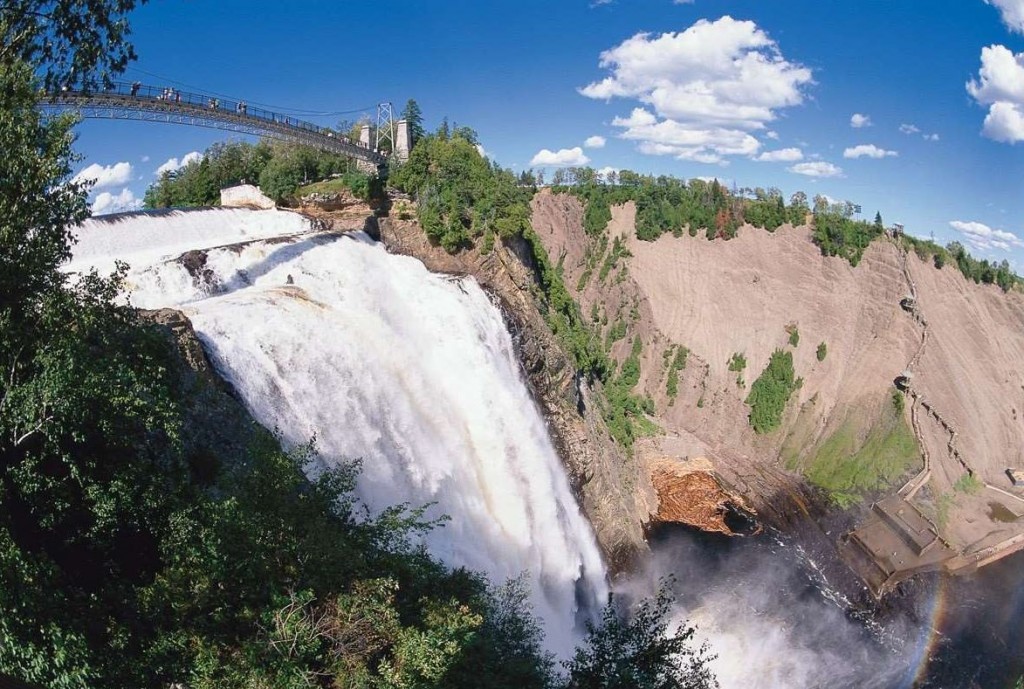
point(177, 96)
point(135, 88)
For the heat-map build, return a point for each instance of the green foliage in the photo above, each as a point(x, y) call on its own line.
point(616, 333)
point(360, 185)
point(641, 652)
point(68, 42)
point(413, 117)
point(666, 204)
point(838, 234)
point(771, 391)
point(737, 362)
point(676, 364)
point(618, 251)
point(767, 209)
point(279, 169)
point(978, 270)
point(794, 335)
point(563, 315)
point(624, 412)
point(798, 209)
point(598, 213)
point(460, 194)
point(982, 271)
point(969, 484)
point(822, 351)
point(851, 464)
point(898, 403)
point(38, 202)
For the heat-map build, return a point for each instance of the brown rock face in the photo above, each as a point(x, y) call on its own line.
point(613, 491)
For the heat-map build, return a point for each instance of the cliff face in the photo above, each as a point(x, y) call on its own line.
point(762, 291)
point(612, 488)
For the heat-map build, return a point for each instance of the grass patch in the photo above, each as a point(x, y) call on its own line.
point(847, 467)
point(794, 335)
point(327, 186)
point(944, 504)
point(738, 362)
point(898, 403)
point(968, 484)
point(822, 351)
point(358, 184)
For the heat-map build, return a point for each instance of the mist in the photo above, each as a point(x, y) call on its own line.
point(772, 621)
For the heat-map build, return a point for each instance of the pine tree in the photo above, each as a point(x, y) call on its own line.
point(413, 117)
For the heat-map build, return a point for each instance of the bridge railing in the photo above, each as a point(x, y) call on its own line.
point(170, 98)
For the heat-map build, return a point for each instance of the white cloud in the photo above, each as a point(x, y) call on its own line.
point(858, 120)
point(983, 237)
point(930, 137)
point(106, 202)
point(1012, 12)
point(145, 159)
point(607, 170)
point(717, 80)
point(105, 176)
point(682, 2)
point(868, 151)
point(1005, 122)
point(783, 155)
point(669, 137)
point(174, 164)
point(818, 168)
point(772, 135)
point(566, 157)
point(595, 141)
point(909, 129)
point(1000, 85)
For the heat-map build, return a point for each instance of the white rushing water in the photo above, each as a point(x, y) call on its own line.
point(379, 359)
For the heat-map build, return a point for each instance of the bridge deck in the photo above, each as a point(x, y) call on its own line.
point(150, 103)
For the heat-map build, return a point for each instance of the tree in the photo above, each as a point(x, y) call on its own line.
point(413, 117)
point(640, 651)
point(878, 221)
point(74, 44)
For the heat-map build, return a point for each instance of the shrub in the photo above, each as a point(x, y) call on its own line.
point(969, 484)
point(771, 391)
point(794, 335)
point(738, 362)
point(822, 351)
point(677, 364)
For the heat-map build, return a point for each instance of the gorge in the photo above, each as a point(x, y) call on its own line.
point(324, 335)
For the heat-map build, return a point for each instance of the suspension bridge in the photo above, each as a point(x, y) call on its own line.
point(136, 101)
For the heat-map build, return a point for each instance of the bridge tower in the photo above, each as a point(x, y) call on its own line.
point(385, 127)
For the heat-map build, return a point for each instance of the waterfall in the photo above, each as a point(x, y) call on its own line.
point(414, 373)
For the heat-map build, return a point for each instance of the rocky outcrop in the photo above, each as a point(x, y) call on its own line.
point(611, 487)
point(690, 494)
point(218, 428)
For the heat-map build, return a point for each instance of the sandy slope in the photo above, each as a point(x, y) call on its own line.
point(721, 297)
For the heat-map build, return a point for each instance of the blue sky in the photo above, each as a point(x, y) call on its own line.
point(756, 92)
